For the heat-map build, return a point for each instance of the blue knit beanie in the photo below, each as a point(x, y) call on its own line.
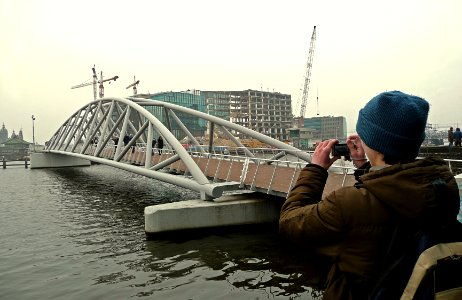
point(393, 123)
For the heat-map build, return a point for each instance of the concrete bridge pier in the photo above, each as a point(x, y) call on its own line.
point(230, 210)
point(39, 160)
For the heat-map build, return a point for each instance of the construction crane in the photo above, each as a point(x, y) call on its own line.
point(95, 81)
point(134, 84)
point(306, 85)
point(317, 101)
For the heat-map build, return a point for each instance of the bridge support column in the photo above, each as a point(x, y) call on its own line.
point(204, 196)
point(225, 211)
point(40, 160)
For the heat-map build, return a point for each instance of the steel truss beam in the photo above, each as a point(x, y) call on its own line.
point(89, 131)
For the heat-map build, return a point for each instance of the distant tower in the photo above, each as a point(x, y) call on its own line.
point(13, 135)
point(3, 134)
point(20, 135)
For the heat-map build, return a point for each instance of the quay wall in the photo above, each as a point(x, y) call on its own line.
point(446, 153)
point(453, 153)
point(443, 151)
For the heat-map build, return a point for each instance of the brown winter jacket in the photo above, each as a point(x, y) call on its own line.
point(353, 225)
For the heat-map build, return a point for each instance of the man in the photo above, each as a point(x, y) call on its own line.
point(160, 144)
point(450, 137)
point(457, 137)
point(153, 145)
point(115, 139)
point(126, 139)
point(354, 225)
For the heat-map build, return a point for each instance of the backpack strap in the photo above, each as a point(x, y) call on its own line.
point(439, 264)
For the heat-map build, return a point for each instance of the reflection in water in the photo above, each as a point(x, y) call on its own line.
point(79, 233)
point(254, 259)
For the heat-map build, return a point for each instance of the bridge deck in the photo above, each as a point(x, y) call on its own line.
point(275, 178)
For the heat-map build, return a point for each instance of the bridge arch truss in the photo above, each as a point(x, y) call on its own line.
point(90, 134)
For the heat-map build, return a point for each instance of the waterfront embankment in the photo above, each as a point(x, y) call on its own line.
point(453, 154)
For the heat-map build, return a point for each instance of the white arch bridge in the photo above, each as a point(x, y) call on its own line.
point(207, 165)
point(211, 165)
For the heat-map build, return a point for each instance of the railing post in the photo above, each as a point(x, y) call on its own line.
point(4, 163)
point(25, 163)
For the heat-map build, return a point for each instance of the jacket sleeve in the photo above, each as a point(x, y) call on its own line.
point(306, 218)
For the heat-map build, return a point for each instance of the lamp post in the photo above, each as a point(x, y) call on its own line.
point(33, 131)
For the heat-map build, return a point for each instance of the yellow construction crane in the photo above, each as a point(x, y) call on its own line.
point(95, 80)
point(134, 84)
point(306, 85)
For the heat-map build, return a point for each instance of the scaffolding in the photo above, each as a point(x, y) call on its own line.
point(269, 113)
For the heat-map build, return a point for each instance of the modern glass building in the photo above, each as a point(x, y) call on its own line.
point(327, 127)
point(190, 99)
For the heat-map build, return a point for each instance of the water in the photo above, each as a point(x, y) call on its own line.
point(78, 233)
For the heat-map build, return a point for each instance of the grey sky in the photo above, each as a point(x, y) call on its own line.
point(362, 49)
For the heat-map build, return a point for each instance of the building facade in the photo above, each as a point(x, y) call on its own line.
point(327, 127)
point(269, 113)
point(263, 112)
point(15, 148)
point(302, 138)
point(190, 99)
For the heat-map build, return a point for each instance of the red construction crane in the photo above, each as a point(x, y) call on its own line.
point(134, 84)
point(306, 85)
point(95, 80)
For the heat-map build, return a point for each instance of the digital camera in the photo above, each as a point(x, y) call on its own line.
point(340, 150)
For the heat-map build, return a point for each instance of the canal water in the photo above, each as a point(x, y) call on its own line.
point(78, 233)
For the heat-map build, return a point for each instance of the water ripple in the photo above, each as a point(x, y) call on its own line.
point(78, 233)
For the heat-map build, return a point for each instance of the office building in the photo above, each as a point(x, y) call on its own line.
point(327, 127)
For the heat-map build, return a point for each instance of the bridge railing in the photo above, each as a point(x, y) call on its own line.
point(259, 171)
point(455, 165)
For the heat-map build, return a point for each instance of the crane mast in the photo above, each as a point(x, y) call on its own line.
point(95, 81)
point(134, 84)
point(101, 86)
point(306, 85)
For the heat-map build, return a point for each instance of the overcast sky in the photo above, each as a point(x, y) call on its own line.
point(362, 49)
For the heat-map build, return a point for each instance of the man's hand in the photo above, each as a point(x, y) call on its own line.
point(357, 153)
point(321, 155)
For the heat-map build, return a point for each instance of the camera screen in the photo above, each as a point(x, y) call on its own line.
point(340, 150)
